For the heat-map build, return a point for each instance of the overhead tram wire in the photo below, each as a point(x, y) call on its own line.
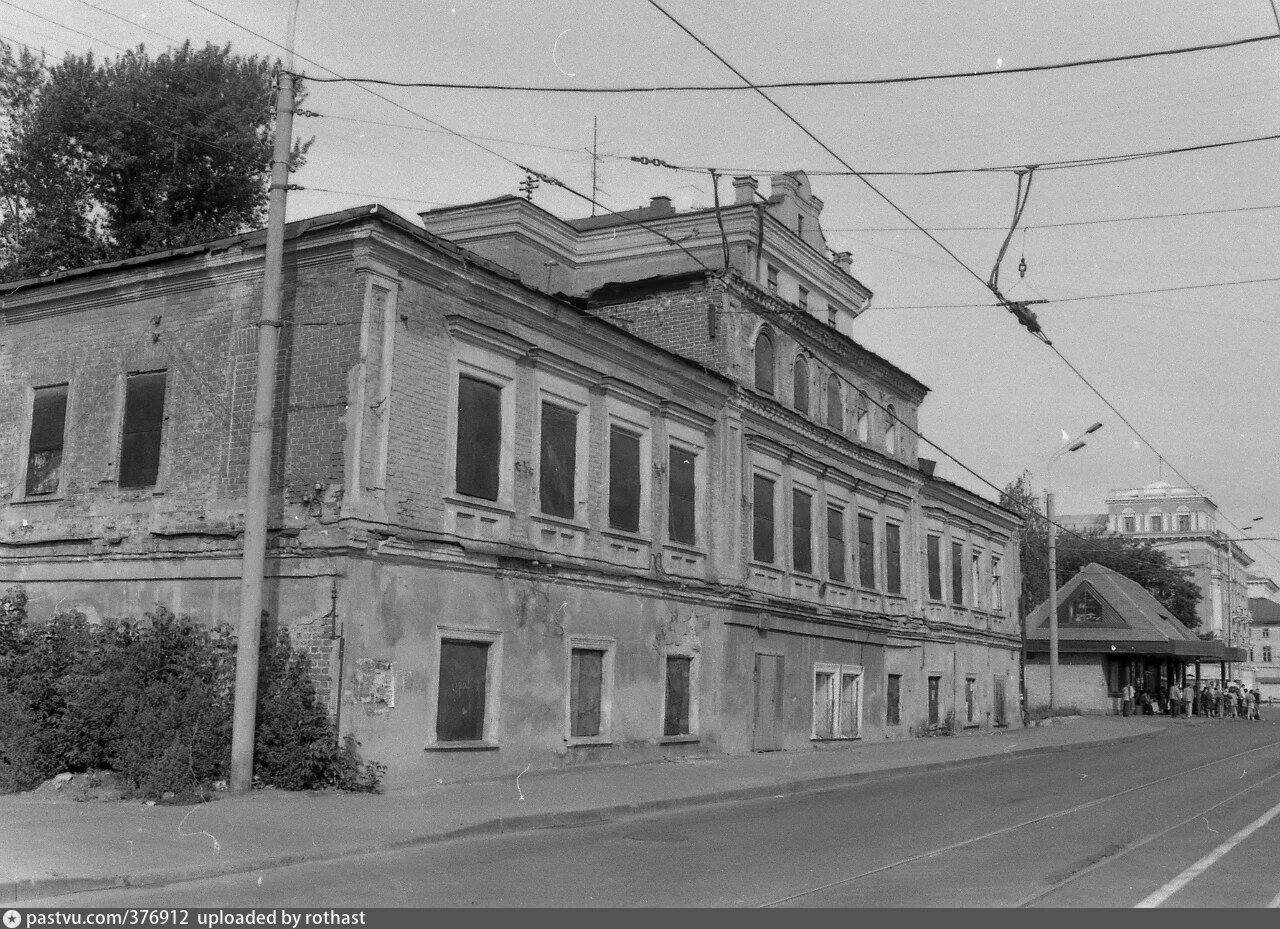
point(54, 22)
point(1069, 223)
point(1080, 297)
point(544, 177)
point(811, 84)
point(123, 19)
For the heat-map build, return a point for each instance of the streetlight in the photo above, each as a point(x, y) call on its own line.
point(1071, 445)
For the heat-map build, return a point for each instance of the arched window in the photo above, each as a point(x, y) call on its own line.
point(800, 385)
point(764, 363)
point(864, 418)
point(835, 405)
point(891, 430)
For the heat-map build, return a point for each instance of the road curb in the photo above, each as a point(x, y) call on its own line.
point(45, 887)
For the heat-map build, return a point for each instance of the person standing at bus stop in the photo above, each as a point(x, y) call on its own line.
point(1126, 699)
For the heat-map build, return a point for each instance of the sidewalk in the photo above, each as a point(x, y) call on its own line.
point(50, 847)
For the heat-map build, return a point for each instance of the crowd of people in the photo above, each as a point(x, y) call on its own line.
point(1233, 701)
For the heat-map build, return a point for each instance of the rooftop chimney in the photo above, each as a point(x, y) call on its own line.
point(744, 190)
point(660, 206)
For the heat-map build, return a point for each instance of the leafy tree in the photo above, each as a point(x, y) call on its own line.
point(107, 160)
point(1136, 559)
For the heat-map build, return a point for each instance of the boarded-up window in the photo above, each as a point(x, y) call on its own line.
point(935, 685)
point(479, 438)
point(762, 525)
point(801, 532)
point(893, 558)
point(971, 699)
point(44, 454)
point(866, 551)
point(558, 460)
point(676, 718)
point(460, 709)
point(835, 404)
point(933, 554)
point(624, 480)
point(800, 385)
point(586, 676)
point(893, 701)
point(764, 364)
point(143, 422)
point(681, 496)
point(997, 700)
point(835, 543)
point(957, 573)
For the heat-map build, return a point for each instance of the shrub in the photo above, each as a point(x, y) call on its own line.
point(152, 701)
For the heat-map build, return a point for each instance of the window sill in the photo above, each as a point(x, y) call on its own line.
point(823, 739)
point(685, 548)
point(479, 503)
point(679, 739)
point(37, 498)
point(588, 740)
point(625, 535)
point(476, 746)
point(560, 522)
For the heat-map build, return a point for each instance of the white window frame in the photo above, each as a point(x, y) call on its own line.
point(838, 673)
point(598, 644)
point(492, 682)
point(997, 583)
point(975, 577)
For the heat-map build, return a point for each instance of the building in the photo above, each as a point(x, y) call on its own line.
point(661, 511)
point(1185, 523)
point(1112, 631)
point(1265, 646)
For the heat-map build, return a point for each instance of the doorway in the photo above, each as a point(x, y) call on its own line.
point(767, 735)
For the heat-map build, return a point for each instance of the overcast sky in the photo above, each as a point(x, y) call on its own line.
point(1196, 371)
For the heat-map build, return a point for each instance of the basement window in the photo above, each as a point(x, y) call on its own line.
point(143, 422)
point(44, 451)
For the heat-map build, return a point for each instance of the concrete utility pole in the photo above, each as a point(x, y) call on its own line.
point(257, 495)
point(1053, 601)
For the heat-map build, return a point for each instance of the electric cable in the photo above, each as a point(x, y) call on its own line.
point(1068, 223)
point(809, 84)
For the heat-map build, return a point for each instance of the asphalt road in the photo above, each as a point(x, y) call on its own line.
point(1179, 819)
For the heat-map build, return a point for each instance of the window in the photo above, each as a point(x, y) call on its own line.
point(558, 460)
point(891, 430)
point(675, 716)
point(800, 385)
point(866, 551)
point(893, 558)
point(1266, 632)
point(975, 577)
point(893, 701)
point(800, 224)
point(479, 438)
point(771, 279)
point(764, 364)
point(624, 480)
point(957, 573)
point(864, 419)
point(1085, 608)
point(935, 686)
point(44, 451)
point(460, 710)
point(835, 406)
point(1266, 653)
point(998, 700)
point(1184, 559)
point(586, 690)
point(1157, 522)
point(801, 532)
point(835, 543)
point(997, 585)
point(143, 420)
point(762, 523)
point(804, 297)
point(681, 496)
point(837, 701)
point(831, 316)
point(971, 700)
point(1184, 522)
point(1129, 524)
point(933, 554)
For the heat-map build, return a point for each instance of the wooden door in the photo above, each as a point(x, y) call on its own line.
point(768, 704)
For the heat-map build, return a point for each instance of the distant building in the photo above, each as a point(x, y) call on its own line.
point(1112, 631)
point(1266, 646)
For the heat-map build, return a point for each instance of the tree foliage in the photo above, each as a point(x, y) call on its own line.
point(104, 160)
point(1136, 559)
